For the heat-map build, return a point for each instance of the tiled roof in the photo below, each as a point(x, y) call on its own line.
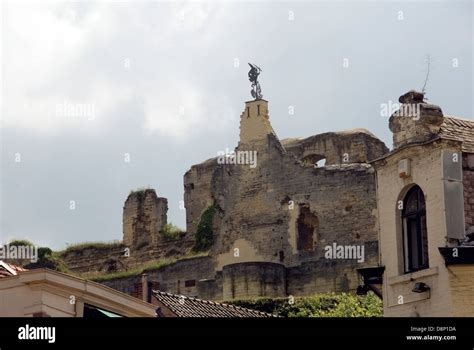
point(184, 306)
point(7, 269)
point(460, 130)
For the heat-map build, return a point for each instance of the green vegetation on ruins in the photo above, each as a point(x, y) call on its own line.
point(137, 271)
point(128, 273)
point(171, 232)
point(139, 190)
point(204, 234)
point(90, 245)
point(319, 305)
point(53, 260)
point(46, 257)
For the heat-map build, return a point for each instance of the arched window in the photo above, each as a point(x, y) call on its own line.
point(415, 235)
point(314, 160)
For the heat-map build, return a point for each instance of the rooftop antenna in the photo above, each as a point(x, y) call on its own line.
point(428, 63)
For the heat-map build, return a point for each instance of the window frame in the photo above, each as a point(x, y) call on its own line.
point(419, 218)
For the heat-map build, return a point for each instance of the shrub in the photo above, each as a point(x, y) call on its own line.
point(20, 242)
point(46, 259)
point(171, 232)
point(204, 235)
point(140, 192)
point(321, 305)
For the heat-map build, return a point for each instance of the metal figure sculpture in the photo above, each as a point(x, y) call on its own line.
point(253, 77)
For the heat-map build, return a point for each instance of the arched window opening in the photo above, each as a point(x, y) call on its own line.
point(320, 163)
point(415, 233)
point(314, 160)
point(306, 224)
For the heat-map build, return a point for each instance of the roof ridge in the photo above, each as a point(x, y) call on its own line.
point(458, 118)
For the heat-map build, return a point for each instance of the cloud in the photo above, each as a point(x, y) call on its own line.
point(41, 46)
point(85, 82)
point(184, 108)
point(71, 66)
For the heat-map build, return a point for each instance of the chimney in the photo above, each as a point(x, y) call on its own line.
point(416, 120)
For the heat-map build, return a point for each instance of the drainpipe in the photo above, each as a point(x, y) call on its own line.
point(145, 287)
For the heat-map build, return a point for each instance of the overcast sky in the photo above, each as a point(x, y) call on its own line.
point(87, 84)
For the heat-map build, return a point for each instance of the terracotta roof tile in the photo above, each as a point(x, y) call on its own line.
point(7, 269)
point(184, 306)
point(460, 130)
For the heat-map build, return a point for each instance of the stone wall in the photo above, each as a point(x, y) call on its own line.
point(197, 277)
point(211, 289)
point(284, 210)
point(274, 218)
point(326, 275)
point(119, 257)
point(181, 277)
point(278, 219)
point(130, 285)
point(352, 146)
point(254, 279)
point(144, 215)
point(341, 199)
point(197, 192)
point(468, 184)
point(103, 259)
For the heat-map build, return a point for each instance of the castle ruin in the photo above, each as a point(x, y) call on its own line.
point(272, 221)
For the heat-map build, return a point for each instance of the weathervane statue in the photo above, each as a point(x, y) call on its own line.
point(253, 77)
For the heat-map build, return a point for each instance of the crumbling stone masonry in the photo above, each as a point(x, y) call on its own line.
point(274, 219)
point(144, 215)
point(144, 218)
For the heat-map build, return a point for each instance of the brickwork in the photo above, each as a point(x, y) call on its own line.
point(468, 183)
point(462, 281)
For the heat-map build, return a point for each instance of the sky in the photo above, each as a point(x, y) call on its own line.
point(101, 98)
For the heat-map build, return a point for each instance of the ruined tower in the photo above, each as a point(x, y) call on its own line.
point(254, 122)
point(277, 210)
point(144, 216)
